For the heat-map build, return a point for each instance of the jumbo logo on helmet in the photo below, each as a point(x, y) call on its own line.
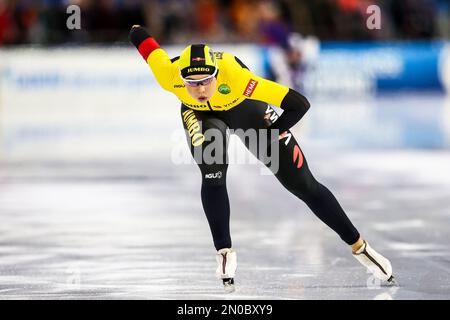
point(199, 69)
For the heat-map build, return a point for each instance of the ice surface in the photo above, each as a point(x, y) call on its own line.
point(72, 235)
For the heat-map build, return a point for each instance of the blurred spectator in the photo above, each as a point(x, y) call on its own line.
point(444, 18)
point(274, 30)
point(351, 20)
point(7, 28)
point(288, 54)
point(181, 21)
point(415, 19)
point(244, 17)
point(176, 17)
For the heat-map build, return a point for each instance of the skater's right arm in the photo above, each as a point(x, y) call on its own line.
point(154, 55)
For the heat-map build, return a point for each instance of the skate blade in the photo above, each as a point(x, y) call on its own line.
point(229, 288)
point(228, 285)
point(393, 282)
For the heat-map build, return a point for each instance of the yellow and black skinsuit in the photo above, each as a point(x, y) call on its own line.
point(241, 103)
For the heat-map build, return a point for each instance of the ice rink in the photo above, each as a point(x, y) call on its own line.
point(93, 205)
point(140, 233)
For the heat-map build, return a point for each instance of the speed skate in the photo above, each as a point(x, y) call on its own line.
point(226, 268)
point(378, 265)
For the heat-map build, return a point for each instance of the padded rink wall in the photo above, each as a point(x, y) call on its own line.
point(381, 95)
point(78, 105)
point(103, 104)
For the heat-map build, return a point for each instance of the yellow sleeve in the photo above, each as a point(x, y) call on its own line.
point(268, 91)
point(256, 87)
point(162, 67)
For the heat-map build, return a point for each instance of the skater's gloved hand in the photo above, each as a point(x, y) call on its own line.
point(137, 35)
point(275, 134)
point(272, 136)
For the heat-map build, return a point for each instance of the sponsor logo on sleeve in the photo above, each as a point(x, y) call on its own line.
point(224, 89)
point(251, 86)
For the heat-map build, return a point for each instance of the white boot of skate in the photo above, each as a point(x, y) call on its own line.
point(378, 265)
point(226, 268)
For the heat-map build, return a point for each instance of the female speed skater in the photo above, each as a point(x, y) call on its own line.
point(218, 92)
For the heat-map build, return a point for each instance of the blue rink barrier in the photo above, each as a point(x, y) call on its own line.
point(50, 105)
point(390, 66)
point(393, 121)
point(408, 81)
point(365, 69)
point(378, 95)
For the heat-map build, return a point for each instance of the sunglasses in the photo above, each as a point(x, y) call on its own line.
point(199, 82)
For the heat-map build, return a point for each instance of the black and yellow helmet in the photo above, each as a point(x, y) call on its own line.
point(197, 59)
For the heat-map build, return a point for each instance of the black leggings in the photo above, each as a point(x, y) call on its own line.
point(292, 169)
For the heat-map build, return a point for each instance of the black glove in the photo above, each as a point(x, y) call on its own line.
point(137, 35)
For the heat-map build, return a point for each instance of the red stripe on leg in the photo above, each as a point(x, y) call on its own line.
point(147, 46)
point(298, 155)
